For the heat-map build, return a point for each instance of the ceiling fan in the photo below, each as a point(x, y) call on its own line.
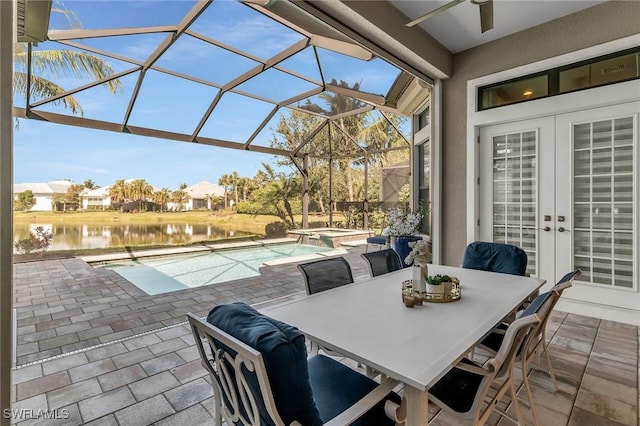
point(486, 13)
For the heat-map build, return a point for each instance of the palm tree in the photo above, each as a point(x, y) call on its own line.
point(119, 192)
point(380, 134)
point(140, 190)
point(180, 198)
point(63, 63)
point(353, 125)
point(278, 193)
point(234, 181)
point(246, 186)
point(90, 184)
point(225, 181)
point(162, 197)
point(213, 200)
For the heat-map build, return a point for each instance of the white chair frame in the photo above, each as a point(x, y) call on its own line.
point(241, 394)
point(500, 366)
point(536, 345)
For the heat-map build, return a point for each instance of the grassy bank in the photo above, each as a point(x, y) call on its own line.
point(248, 223)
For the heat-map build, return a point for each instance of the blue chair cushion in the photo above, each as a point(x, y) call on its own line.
point(458, 388)
point(537, 303)
point(285, 357)
point(495, 338)
point(336, 387)
point(495, 257)
point(377, 239)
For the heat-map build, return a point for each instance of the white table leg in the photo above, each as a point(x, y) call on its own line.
point(417, 406)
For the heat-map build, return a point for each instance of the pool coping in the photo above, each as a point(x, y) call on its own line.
point(137, 254)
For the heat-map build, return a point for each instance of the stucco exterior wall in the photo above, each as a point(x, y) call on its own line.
point(599, 24)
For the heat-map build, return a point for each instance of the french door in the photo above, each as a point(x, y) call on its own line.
point(565, 189)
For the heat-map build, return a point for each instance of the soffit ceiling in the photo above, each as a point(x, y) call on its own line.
point(458, 28)
point(218, 73)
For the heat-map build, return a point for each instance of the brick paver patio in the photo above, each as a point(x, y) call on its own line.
point(97, 350)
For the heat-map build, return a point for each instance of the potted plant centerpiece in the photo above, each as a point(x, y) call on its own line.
point(441, 284)
point(402, 227)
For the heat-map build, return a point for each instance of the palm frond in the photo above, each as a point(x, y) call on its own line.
point(42, 88)
point(70, 63)
point(70, 15)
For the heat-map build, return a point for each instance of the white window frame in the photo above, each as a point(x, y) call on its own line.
point(433, 133)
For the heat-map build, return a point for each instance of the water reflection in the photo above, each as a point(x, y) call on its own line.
point(70, 237)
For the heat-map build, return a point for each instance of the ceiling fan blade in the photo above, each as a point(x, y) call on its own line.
point(433, 13)
point(486, 16)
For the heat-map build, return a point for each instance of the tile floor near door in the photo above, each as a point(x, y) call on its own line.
point(94, 349)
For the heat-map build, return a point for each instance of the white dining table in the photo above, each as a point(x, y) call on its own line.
point(368, 322)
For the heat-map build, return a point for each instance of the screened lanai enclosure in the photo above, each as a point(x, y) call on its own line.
point(234, 75)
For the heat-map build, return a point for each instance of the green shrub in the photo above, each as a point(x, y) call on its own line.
point(276, 230)
point(252, 208)
point(38, 242)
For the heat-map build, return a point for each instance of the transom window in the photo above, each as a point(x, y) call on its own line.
point(595, 72)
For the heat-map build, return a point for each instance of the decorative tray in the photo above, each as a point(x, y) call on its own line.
point(443, 293)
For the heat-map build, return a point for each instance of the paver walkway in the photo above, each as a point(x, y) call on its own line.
point(114, 355)
point(66, 305)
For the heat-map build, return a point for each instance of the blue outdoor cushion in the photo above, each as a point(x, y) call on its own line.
point(377, 239)
point(285, 357)
point(495, 257)
point(336, 387)
point(495, 338)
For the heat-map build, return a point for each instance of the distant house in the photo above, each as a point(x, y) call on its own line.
point(43, 192)
point(99, 199)
point(199, 194)
point(96, 199)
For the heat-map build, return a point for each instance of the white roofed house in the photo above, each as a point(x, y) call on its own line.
point(100, 199)
point(96, 199)
point(43, 192)
point(199, 194)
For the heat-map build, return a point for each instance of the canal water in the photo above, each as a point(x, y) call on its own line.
point(73, 237)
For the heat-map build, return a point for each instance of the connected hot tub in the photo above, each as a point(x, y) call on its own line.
point(328, 237)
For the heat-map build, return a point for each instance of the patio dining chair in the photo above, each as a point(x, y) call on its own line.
point(495, 257)
point(464, 390)
point(382, 261)
point(379, 240)
point(536, 343)
point(325, 274)
point(261, 375)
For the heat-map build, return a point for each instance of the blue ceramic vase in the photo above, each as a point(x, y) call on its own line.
point(401, 246)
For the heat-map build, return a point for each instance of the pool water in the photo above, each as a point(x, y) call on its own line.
point(164, 274)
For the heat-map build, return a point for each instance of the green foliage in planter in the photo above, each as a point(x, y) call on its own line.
point(438, 279)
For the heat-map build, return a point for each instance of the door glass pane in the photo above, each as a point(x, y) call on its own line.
point(623, 134)
point(603, 202)
point(515, 192)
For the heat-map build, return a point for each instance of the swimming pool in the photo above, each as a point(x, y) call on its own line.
point(170, 273)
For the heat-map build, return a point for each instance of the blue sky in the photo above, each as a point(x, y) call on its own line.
point(45, 151)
